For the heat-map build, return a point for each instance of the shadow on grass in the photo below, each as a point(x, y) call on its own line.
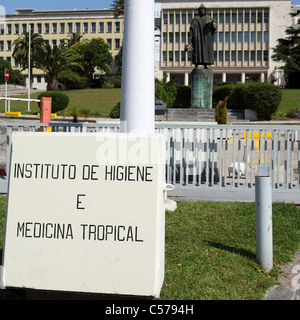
point(240, 251)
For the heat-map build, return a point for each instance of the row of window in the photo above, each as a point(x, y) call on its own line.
point(114, 44)
point(234, 36)
point(220, 56)
point(62, 28)
point(233, 17)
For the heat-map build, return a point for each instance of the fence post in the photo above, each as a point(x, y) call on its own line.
point(264, 227)
point(46, 103)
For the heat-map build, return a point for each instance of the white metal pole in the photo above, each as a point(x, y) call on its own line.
point(29, 65)
point(138, 96)
point(5, 96)
point(264, 226)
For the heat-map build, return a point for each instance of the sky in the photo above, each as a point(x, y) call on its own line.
point(10, 5)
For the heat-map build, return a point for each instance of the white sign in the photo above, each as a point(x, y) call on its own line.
point(86, 213)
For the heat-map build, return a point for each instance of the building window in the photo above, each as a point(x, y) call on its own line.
point(266, 55)
point(246, 36)
point(165, 58)
point(183, 37)
point(171, 59)
point(46, 28)
point(8, 28)
point(117, 44)
point(240, 36)
point(253, 55)
point(24, 27)
point(101, 27)
point(70, 27)
point(259, 36)
point(109, 27)
point(8, 45)
point(109, 41)
point(117, 27)
point(165, 37)
point(85, 27)
point(77, 27)
point(93, 27)
point(266, 17)
point(31, 26)
point(171, 37)
point(177, 18)
point(221, 37)
point(54, 43)
point(39, 28)
point(177, 37)
point(54, 28)
point(253, 36)
point(227, 36)
point(1, 45)
point(62, 28)
point(17, 28)
point(266, 36)
point(171, 18)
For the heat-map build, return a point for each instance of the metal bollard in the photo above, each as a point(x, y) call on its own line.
point(264, 226)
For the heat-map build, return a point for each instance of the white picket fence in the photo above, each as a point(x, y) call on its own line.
point(207, 162)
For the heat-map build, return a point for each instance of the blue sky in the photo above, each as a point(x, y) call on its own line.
point(10, 5)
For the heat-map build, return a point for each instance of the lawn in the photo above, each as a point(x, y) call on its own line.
point(290, 99)
point(98, 101)
point(101, 101)
point(210, 250)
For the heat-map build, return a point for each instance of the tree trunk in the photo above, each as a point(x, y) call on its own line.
point(52, 83)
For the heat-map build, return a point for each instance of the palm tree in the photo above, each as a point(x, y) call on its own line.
point(74, 38)
point(118, 7)
point(21, 50)
point(53, 62)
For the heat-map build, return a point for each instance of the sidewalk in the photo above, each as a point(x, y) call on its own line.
point(289, 288)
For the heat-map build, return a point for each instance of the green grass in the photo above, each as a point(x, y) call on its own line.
point(290, 99)
point(101, 101)
point(98, 101)
point(210, 250)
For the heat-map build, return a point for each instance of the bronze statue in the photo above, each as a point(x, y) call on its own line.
point(201, 38)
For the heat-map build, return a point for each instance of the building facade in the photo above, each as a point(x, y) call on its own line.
point(247, 32)
point(55, 26)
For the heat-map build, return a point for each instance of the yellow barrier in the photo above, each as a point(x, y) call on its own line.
point(256, 135)
point(53, 115)
point(12, 114)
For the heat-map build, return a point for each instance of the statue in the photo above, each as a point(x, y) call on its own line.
point(201, 38)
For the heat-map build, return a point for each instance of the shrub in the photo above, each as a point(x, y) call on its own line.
point(264, 98)
point(116, 111)
point(221, 92)
point(221, 112)
point(293, 113)
point(72, 80)
point(76, 113)
point(110, 82)
point(166, 92)
point(183, 97)
point(60, 100)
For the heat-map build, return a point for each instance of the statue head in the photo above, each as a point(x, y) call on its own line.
point(202, 10)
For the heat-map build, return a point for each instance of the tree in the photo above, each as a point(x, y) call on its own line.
point(288, 52)
point(118, 7)
point(21, 50)
point(92, 54)
point(54, 61)
point(15, 75)
point(74, 38)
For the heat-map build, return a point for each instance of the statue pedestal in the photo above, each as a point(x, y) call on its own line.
point(202, 88)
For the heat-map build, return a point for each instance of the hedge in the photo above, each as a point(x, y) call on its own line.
point(59, 100)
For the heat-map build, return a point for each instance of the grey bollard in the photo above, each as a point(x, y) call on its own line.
point(264, 226)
